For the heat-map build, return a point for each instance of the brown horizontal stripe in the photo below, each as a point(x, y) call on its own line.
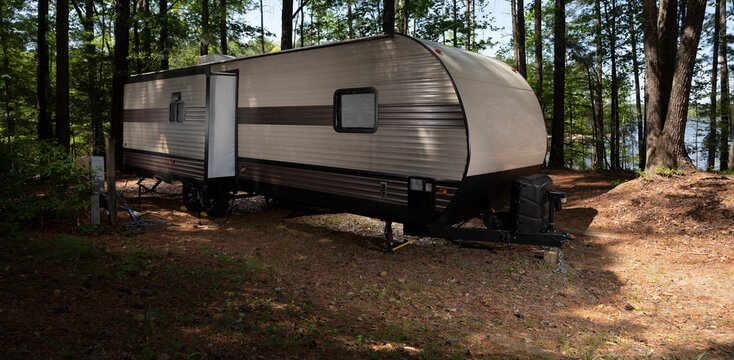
point(392, 115)
point(163, 164)
point(160, 114)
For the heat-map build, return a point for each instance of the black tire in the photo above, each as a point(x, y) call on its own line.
point(191, 197)
point(215, 202)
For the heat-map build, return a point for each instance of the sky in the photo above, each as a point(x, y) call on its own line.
point(499, 9)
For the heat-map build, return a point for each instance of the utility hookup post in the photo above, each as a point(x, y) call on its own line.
point(111, 189)
point(96, 165)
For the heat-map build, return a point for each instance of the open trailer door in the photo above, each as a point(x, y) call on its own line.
point(222, 129)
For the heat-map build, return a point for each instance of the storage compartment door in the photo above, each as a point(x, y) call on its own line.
point(222, 125)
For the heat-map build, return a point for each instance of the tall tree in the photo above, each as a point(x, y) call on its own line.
point(388, 16)
point(636, 72)
point(122, 40)
point(711, 146)
point(455, 24)
point(163, 40)
point(599, 149)
point(614, 106)
point(518, 36)
point(538, 13)
point(222, 27)
point(667, 111)
point(286, 32)
point(262, 28)
point(204, 49)
point(90, 58)
point(146, 35)
point(725, 106)
point(62, 73)
point(42, 87)
point(559, 84)
point(468, 28)
point(405, 17)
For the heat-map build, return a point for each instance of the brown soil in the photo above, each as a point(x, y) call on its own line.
point(649, 275)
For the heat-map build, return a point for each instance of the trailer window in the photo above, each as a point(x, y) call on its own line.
point(355, 110)
point(176, 109)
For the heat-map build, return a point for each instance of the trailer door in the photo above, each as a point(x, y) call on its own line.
point(221, 141)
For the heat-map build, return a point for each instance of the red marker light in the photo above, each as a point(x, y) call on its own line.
point(437, 50)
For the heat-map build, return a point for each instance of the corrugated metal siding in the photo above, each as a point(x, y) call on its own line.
point(401, 70)
point(156, 94)
point(369, 188)
point(161, 164)
point(184, 139)
point(426, 152)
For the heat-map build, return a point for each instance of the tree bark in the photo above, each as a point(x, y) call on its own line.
point(136, 39)
point(614, 106)
point(262, 28)
point(163, 40)
point(286, 26)
point(406, 17)
point(725, 105)
point(223, 27)
point(638, 103)
point(666, 146)
point(350, 20)
point(388, 17)
point(599, 148)
point(559, 74)
point(468, 25)
point(711, 146)
point(9, 121)
point(518, 36)
point(538, 52)
point(146, 35)
point(455, 25)
point(122, 40)
point(205, 27)
point(62, 74)
point(42, 87)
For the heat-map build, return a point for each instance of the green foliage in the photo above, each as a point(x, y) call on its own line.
point(641, 173)
point(669, 172)
point(38, 182)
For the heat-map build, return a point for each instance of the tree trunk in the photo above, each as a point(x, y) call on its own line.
point(223, 27)
point(665, 137)
point(42, 86)
point(205, 27)
point(614, 106)
point(136, 38)
point(303, 16)
point(350, 21)
point(638, 103)
point(9, 121)
point(599, 149)
point(725, 105)
point(163, 41)
point(388, 16)
point(286, 26)
point(90, 57)
point(147, 38)
point(469, 29)
point(62, 74)
point(120, 74)
point(262, 28)
point(538, 52)
point(406, 16)
point(518, 36)
point(559, 74)
point(711, 146)
point(455, 25)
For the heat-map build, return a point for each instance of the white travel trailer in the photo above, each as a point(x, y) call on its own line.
point(390, 126)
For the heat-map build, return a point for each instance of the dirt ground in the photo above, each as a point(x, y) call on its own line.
point(650, 275)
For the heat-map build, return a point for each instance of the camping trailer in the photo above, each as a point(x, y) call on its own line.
point(390, 127)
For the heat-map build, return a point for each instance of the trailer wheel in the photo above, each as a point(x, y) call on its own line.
point(215, 202)
point(191, 196)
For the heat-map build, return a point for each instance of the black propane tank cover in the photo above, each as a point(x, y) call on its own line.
point(529, 207)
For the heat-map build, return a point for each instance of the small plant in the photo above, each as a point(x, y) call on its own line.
point(667, 172)
point(617, 182)
point(641, 173)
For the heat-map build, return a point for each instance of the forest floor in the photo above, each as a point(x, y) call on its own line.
point(650, 275)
